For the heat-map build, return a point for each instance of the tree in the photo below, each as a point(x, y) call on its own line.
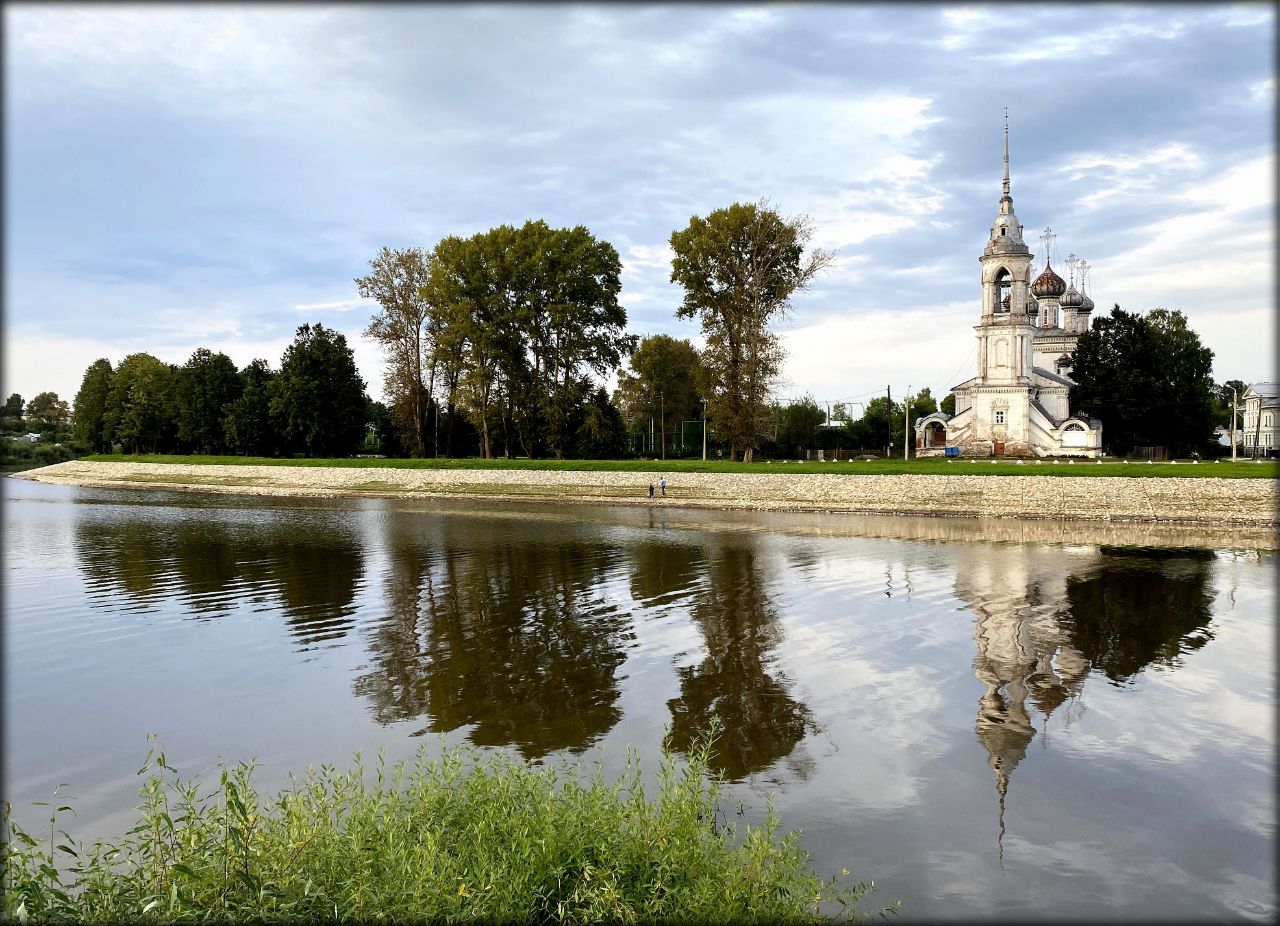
point(1147, 378)
point(13, 406)
point(49, 409)
point(1226, 399)
point(205, 389)
point(317, 398)
point(881, 424)
point(137, 405)
point(948, 405)
point(399, 284)
point(663, 382)
point(739, 268)
point(600, 434)
point(525, 315)
point(385, 430)
point(91, 406)
point(798, 424)
point(247, 425)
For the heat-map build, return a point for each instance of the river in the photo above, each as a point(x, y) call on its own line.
point(1071, 724)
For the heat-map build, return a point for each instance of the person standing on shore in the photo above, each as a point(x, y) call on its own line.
point(651, 490)
point(662, 484)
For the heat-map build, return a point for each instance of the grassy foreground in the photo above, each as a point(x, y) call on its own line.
point(1269, 469)
point(461, 837)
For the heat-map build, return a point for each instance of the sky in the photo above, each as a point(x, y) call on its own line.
point(216, 175)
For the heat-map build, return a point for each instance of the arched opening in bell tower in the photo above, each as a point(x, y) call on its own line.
point(1003, 290)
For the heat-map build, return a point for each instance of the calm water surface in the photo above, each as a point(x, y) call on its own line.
point(1048, 728)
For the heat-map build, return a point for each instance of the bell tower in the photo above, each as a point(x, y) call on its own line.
point(1005, 331)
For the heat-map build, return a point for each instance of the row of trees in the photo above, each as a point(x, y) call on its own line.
point(314, 404)
point(508, 327)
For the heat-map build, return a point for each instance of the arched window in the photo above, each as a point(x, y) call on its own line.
point(1003, 291)
point(1074, 427)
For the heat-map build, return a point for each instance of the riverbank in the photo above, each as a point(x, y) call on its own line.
point(1199, 500)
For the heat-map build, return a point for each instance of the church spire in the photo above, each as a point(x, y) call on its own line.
point(1006, 151)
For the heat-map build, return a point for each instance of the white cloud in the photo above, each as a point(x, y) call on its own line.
point(341, 305)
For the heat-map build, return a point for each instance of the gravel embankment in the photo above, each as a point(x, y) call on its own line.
point(1190, 501)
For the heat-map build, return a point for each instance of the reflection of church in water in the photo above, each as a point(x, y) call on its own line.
point(1046, 618)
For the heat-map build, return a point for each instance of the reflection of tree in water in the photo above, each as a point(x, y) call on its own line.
point(512, 638)
point(311, 571)
point(762, 722)
point(663, 573)
point(1141, 606)
point(1042, 621)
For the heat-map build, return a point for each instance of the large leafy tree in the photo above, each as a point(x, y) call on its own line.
point(662, 383)
point(49, 410)
point(317, 399)
point(739, 267)
point(525, 316)
point(247, 423)
point(398, 281)
point(13, 406)
point(1148, 378)
point(91, 405)
point(206, 387)
point(139, 403)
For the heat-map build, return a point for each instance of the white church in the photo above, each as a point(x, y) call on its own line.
point(1019, 403)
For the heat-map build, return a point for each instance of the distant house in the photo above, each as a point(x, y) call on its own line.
point(30, 438)
point(1261, 417)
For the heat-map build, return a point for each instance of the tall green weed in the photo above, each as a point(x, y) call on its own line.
point(464, 836)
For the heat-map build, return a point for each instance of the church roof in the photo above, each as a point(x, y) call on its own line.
point(1266, 389)
point(1053, 377)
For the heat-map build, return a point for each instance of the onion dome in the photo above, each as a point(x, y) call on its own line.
point(1071, 299)
point(1086, 304)
point(1048, 284)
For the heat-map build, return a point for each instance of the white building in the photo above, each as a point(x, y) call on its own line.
point(1261, 414)
point(1019, 403)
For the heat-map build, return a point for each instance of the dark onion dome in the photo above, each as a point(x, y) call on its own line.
point(1086, 304)
point(1071, 299)
point(1048, 285)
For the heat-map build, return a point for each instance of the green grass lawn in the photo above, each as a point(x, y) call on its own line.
point(1269, 469)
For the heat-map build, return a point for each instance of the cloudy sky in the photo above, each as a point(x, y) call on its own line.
point(216, 175)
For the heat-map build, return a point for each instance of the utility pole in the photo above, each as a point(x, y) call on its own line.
point(704, 429)
point(888, 417)
point(906, 422)
point(1234, 409)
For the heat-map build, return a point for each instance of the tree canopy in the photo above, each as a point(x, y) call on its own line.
point(663, 382)
point(91, 405)
point(1148, 378)
point(317, 398)
point(739, 267)
point(398, 282)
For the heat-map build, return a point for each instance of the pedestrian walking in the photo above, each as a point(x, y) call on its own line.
point(651, 490)
point(662, 484)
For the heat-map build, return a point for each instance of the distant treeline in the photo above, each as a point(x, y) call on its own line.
point(314, 404)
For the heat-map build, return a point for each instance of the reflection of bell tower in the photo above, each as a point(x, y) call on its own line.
point(1022, 652)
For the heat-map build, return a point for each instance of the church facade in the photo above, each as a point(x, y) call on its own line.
point(1019, 404)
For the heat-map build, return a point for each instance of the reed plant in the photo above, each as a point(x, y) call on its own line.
point(463, 836)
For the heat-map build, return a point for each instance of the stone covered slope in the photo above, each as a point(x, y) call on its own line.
point(1199, 500)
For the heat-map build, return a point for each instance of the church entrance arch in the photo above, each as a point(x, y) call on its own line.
point(935, 434)
point(1073, 435)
